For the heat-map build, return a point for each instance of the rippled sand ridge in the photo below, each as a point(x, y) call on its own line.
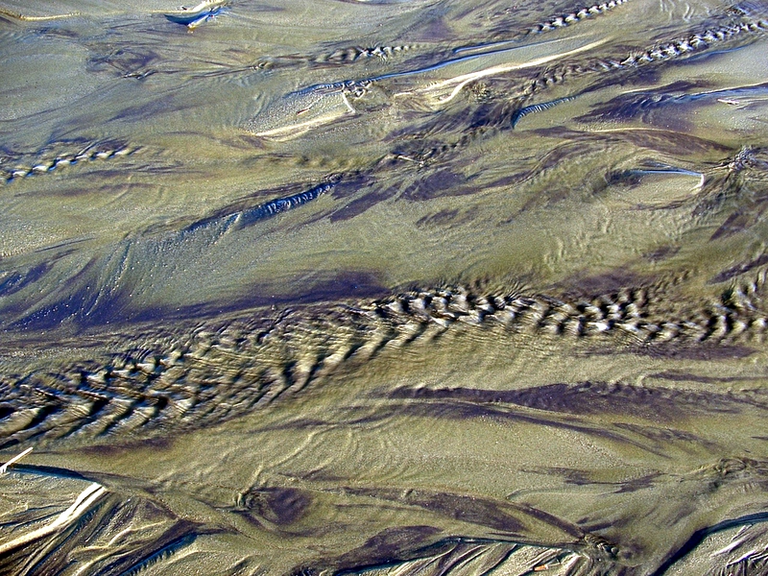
point(402, 287)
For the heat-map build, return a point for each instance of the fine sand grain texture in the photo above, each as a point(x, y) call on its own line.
point(397, 287)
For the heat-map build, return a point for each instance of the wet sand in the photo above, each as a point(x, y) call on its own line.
point(404, 287)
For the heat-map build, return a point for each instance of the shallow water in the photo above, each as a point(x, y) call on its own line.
point(410, 287)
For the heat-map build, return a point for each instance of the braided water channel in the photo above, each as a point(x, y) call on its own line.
point(394, 286)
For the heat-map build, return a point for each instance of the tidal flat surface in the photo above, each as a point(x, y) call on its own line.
point(411, 287)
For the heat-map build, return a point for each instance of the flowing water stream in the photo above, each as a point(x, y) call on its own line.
point(411, 287)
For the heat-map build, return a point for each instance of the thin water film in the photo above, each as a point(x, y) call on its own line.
point(412, 287)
